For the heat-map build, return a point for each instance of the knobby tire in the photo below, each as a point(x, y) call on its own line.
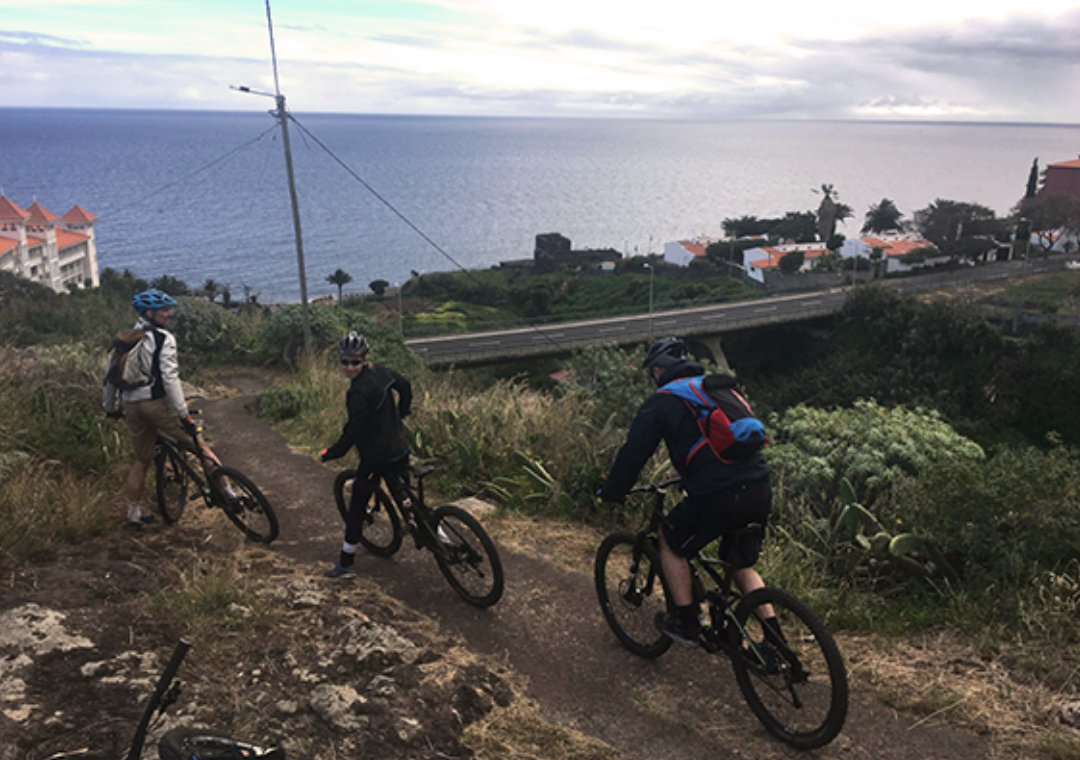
point(380, 533)
point(797, 689)
point(251, 512)
point(209, 744)
point(172, 484)
point(467, 557)
point(630, 599)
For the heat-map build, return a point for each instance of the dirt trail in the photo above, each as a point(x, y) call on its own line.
point(548, 627)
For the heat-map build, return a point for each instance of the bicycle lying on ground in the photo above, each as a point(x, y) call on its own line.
point(796, 684)
point(189, 743)
point(464, 552)
point(180, 476)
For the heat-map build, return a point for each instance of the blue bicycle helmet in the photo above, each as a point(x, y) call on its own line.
point(152, 300)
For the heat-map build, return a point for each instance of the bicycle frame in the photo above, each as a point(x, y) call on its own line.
point(165, 693)
point(205, 485)
point(414, 510)
point(722, 631)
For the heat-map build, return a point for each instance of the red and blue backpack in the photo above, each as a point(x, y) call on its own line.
point(727, 423)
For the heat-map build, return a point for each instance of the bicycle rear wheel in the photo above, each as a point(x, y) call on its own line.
point(467, 557)
point(189, 743)
point(631, 594)
point(172, 484)
point(247, 508)
point(380, 532)
point(797, 687)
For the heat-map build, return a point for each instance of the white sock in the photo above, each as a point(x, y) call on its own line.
point(134, 512)
point(349, 548)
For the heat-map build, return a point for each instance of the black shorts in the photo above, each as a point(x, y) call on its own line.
point(701, 519)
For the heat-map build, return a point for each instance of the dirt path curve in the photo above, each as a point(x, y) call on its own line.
point(548, 628)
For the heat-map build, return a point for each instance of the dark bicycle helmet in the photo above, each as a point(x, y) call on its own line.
point(152, 300)
point(665, 352)
point(353, 344)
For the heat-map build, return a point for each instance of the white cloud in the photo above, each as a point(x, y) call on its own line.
point(992, 59)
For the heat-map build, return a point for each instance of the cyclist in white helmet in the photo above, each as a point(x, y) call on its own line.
point(375, 429)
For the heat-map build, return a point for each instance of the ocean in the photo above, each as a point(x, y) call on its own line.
point(203, 195)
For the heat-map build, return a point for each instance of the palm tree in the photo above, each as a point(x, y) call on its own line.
point(211, 288)
point(830, 212)
point(341, 278)
point(882, 217)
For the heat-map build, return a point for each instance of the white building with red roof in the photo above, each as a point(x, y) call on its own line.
point(681, 252)
point(38, 245)
point(1062, 177)
point(894, 249)
point(757, 261)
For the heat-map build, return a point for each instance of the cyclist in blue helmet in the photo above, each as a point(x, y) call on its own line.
point(157, 405)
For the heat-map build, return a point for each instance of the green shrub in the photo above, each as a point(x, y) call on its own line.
point(871, 446)
point(611, 378)
point(1003, 522)
point(207, 333)
point(48, 402)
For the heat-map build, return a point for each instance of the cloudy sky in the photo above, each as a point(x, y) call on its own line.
point(981, 60)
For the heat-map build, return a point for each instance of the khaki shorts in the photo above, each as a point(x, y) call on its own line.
point(147, 420)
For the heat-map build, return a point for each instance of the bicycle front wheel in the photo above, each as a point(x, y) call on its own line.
point(467, 557)
point(380, 532)
point(244, 504)
point(187, 742)
point(631, 594)
point(172, 484)
point(797, 687)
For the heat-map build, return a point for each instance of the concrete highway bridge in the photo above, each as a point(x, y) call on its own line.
point(703, 325)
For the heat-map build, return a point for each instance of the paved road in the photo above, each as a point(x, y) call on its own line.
point(548, 628)
point(564, 337)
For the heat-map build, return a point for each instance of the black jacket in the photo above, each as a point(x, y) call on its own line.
point(664, 417)
point(374, 425)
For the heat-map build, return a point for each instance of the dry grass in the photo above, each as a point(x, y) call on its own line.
point(519, 732)
point(942, 678)
point(42, 503)
point(570, 545)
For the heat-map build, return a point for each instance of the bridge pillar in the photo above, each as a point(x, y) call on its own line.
point(708, 347)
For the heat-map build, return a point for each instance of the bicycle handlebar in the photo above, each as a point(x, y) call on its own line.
point(655, 487)
point(182, 647)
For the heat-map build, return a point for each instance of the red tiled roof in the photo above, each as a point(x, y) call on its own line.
point(78, 215)
point(11, 212)
point(40, 215)
point(697, 250)
point(67, 238)
point(1066, 164)
point(7, 245)
point(773, 257)
point(896, 247)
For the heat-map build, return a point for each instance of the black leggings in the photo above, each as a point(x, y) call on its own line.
point(364, 486)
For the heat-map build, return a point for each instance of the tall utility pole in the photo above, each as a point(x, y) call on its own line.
point(283, 118)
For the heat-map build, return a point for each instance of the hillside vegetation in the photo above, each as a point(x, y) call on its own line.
point(924, 462)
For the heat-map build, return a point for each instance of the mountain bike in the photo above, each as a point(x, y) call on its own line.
point(189, 743)
point(795, 683)
point(464, 552)
point(180, 476)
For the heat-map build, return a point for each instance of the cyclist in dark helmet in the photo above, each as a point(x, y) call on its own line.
point(158, 407)
point(720, 497)
point(377, 400)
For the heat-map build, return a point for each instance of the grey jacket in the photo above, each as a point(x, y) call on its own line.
point(165, 372)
